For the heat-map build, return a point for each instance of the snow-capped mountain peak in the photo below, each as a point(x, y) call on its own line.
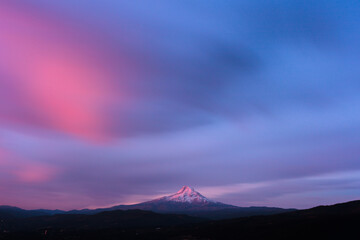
point(187, 195)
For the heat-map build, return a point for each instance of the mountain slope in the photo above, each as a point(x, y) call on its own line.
point(186, 195)
point(190, 202)
point(185, 200)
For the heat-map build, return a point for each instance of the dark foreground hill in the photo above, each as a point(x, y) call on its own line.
point(338, 221)
point(113, 219)
point(52, 227)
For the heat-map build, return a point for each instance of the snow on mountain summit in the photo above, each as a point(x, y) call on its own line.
point(187, 195)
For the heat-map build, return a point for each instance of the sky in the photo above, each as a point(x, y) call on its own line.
point(251, 102)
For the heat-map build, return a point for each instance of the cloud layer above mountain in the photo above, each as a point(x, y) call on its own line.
point(106, 102)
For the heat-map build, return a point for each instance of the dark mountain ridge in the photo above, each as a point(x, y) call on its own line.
point(9, 212)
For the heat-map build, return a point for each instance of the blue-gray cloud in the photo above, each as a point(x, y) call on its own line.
point(226, 93)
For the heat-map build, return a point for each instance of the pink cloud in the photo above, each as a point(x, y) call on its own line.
point(25, 170)
point(64, 83)
point(34, 173)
